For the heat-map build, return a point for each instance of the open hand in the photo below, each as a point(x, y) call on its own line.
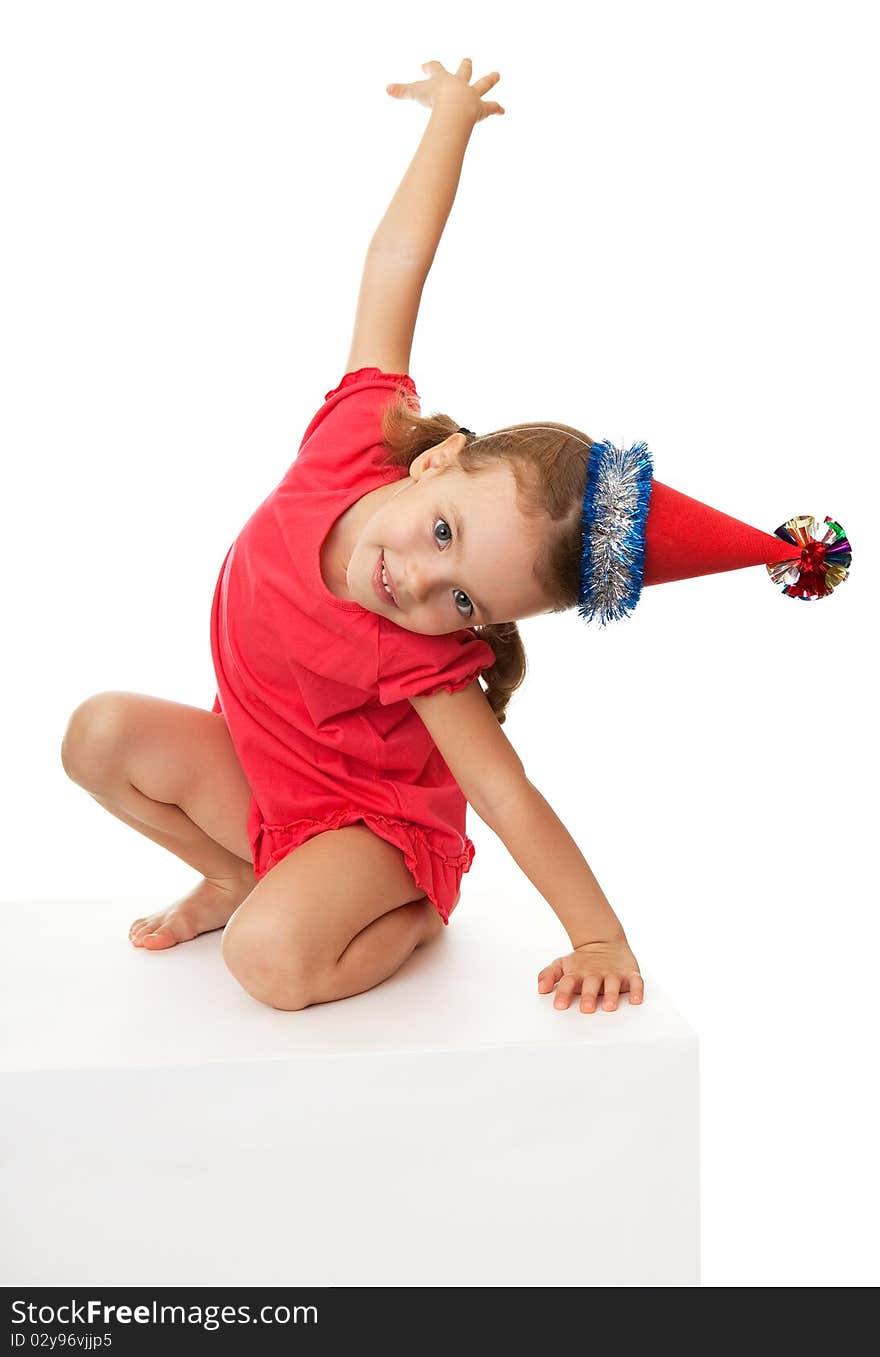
point(591, 969)
point(443, 85)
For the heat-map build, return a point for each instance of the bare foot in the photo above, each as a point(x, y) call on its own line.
point(208, 905)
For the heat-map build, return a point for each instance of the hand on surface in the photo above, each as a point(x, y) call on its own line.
point(442, 85)
point(594, 968)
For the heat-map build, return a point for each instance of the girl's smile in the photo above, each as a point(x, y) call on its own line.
point(382, 583)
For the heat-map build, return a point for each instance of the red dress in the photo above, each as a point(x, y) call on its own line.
point(315, 689)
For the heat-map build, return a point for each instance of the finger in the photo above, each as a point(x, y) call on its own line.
point(550, 975)
point(589, 992)
point(636, 988)
point(399, 91)
point(612, 992)
point(485, 83)
point(438, 64)
point(564, 991)
point(466, 68)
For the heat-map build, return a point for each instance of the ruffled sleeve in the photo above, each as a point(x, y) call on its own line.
point(369, 378)
point(345, 433)
point(412, 665)
point(343, 440)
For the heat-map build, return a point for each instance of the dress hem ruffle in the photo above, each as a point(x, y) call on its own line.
point(437, 875)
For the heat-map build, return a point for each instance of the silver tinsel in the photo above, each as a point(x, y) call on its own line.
point(615, 508)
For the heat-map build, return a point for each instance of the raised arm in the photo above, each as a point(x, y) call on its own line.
point(404, 243)
point(493, 779)
point(419, 209)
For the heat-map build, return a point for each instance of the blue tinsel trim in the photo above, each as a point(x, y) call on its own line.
point(615, 508)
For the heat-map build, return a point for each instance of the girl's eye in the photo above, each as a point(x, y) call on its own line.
point(462, 602)
point(444, 540)
point(467, 608)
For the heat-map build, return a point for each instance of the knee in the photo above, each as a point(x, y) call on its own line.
point(268, 972)
point(93, 737)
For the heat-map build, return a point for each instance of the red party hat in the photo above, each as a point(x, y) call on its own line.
point(637, 531)
point(685, 538)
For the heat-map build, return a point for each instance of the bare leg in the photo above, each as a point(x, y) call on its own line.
point(135, 756)
point(334, 918)
point(380, 949)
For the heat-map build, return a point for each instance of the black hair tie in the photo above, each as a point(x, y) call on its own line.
point(470, 431)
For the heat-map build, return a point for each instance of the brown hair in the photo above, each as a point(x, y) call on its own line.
point(550, 469)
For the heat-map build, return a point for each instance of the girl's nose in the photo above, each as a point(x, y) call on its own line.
point(417, 582)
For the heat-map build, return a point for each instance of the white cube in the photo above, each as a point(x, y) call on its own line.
point(447, 1128)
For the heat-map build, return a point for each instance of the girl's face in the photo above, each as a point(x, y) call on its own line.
point(456, 548)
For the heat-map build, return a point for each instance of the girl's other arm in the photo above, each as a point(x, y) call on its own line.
point(491, 776)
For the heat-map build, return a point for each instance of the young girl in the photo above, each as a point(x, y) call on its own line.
point(323, 798)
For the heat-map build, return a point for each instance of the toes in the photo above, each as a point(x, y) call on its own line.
point(152, 934)
point(136, 932)
point(158, 941)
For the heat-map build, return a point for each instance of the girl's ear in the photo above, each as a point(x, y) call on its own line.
point(441, 455)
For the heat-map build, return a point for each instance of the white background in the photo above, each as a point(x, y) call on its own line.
point(670, 235)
